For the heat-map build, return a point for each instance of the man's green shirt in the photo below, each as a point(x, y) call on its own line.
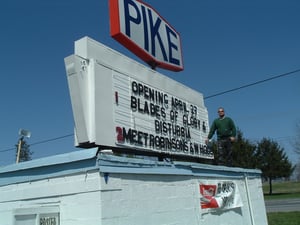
point(225, 128)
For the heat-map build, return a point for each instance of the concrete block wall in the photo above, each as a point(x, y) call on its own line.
point(77, 198)
point(133, 199)
point(110, 190)
point(149, 199)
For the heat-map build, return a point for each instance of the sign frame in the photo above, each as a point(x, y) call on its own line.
point(113, 109)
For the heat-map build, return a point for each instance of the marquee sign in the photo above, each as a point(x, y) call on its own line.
point(142, 30)
point(163, 122)
point(121, 104)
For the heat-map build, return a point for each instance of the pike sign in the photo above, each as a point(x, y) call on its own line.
point(143, 31)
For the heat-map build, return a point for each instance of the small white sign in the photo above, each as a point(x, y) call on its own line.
point(49, 219)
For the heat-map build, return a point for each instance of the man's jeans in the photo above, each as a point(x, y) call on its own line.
point(225, 152)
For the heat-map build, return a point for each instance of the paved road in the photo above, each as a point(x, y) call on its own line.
point(283, 205)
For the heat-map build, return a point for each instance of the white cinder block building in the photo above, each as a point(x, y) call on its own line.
point(89, 188)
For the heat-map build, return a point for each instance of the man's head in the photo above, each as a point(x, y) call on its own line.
point(221, 112)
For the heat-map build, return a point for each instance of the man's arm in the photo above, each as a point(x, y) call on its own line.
point(211, 131)
point(233, 130)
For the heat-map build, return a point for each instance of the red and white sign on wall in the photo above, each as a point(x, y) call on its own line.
point(219, 195)
point(138, 27)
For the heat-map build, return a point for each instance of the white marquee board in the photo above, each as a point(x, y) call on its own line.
point(119, 103)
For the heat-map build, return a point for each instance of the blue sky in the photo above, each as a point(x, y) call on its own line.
point(226, 44)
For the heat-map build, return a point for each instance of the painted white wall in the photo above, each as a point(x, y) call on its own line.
point(160, 199)
point(125, 191)
point(77, 198)
point(150, 199)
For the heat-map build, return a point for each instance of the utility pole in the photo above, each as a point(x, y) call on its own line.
point(22, 133)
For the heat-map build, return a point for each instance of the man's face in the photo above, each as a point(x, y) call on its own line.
point(221, 113)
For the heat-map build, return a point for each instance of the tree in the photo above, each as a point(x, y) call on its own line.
point(297, 140)
point(243, 152)
point(272, 161)
point(297, 171)
point(25, 153)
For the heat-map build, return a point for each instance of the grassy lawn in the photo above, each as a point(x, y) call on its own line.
point(283, 190)
point(284, 218)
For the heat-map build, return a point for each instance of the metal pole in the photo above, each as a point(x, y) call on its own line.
point(19, 149)
point(249, 200)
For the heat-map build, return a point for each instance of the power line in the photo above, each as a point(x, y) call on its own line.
point(40, 142)
point(278, 139)
point(210, 96)
point(52, 139)
point(252, 84)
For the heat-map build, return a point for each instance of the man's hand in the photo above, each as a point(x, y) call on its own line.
point(206, 141)
point(232, 139)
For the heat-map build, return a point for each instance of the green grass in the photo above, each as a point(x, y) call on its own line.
point(283, 190)
point(284, 218)
point(281, 196)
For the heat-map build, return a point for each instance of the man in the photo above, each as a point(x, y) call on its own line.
point(226, 132)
